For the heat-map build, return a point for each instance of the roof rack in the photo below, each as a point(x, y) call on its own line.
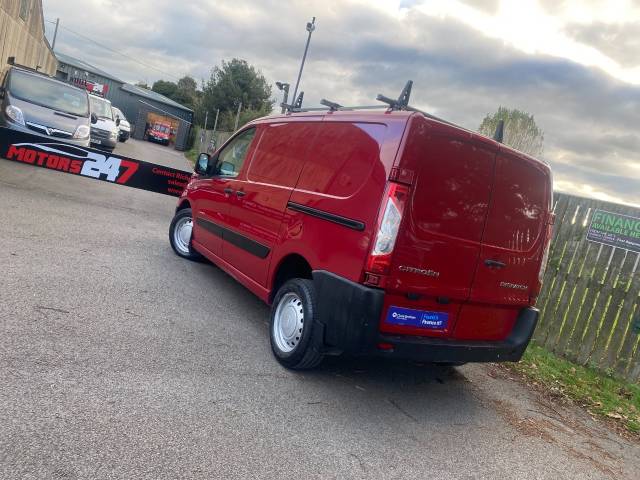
point(401, 103)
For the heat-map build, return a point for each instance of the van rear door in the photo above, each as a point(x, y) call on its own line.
point(513, 245)
point(438, 245)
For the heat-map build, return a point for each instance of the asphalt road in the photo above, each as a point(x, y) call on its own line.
point(120, 360)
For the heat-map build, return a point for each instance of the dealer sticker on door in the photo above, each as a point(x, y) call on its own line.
point(417, 318)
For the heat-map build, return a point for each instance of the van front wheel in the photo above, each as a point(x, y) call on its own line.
point(180, 235)
point(295, 340)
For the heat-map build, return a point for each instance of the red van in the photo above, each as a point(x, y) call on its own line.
point(375, 233)
point(160, 133)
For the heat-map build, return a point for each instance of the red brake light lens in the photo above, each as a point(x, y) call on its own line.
point(388, 226)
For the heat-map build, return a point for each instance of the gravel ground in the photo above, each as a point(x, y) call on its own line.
point(120, 360)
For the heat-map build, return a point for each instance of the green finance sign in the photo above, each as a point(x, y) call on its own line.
point(621, 231)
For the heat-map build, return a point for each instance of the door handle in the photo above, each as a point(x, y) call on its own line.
point(494, 264)
point(228, 191)
point(240, 193)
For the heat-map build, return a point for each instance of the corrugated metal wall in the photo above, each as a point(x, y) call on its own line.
point(24, 38)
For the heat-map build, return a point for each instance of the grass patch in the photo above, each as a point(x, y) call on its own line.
point(194, 151)
point(600, 393)
point(192, 154)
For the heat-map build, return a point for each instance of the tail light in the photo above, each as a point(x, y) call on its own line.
point(379, 261)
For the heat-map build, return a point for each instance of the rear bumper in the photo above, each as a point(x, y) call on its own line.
point(164, 141)
point(349, 314)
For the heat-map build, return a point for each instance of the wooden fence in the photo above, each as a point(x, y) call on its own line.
point(204, 137)
point(590, 301)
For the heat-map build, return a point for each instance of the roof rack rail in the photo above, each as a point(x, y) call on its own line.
point(401, 103)
point(333, 107)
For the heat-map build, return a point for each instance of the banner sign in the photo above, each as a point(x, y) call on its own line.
point(88, 162)
point(616, 230)
point(93, 87)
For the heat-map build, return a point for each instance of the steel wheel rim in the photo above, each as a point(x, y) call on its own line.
point(288, 322)
point(182, 235)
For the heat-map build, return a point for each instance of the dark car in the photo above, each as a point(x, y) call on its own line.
point(36, 103)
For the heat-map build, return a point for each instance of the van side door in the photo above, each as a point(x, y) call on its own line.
point(211, 194)
point(259, 201)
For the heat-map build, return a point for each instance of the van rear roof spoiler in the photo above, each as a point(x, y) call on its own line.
point(401, 103)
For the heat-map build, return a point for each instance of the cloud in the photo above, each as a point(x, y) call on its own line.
point(620, 41)
point(363, 48)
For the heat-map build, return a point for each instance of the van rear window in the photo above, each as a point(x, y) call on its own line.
point(453, 188)
point(342, 158)
point(520, 203)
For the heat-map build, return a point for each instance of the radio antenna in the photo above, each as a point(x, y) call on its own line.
point(499, 135)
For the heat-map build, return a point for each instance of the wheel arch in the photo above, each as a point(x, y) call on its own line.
point(183, 204)
point(290, 266)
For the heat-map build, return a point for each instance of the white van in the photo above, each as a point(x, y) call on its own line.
point(104, 133)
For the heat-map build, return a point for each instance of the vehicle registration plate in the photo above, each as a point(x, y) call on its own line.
point(417, 318)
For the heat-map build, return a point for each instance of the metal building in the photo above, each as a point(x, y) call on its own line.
point(140, 106)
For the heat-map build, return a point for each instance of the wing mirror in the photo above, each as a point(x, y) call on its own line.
point(118, 122)
point(2, 90)
point(202, 164)
point(94, 118)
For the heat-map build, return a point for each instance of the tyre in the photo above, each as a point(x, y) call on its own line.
point(296, 341)
point(180, 232)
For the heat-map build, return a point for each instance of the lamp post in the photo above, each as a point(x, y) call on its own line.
point(311, 26)
point(284, 87)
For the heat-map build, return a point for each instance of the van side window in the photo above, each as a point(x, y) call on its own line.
point(232, 156)
point(342, 158)
point(281, 152)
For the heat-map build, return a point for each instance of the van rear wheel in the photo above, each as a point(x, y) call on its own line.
point(295, 339)
point(180, 233)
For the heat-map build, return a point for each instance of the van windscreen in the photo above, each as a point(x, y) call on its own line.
point(48, 93)
point(101, 108)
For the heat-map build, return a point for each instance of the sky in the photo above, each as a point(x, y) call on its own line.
point(574, 65)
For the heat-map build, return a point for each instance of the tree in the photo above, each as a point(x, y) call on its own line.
point(520, 130)
point(230, 84)
point(186, 92)
point(142, 84)
point(166, 88)
point(187, 84)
